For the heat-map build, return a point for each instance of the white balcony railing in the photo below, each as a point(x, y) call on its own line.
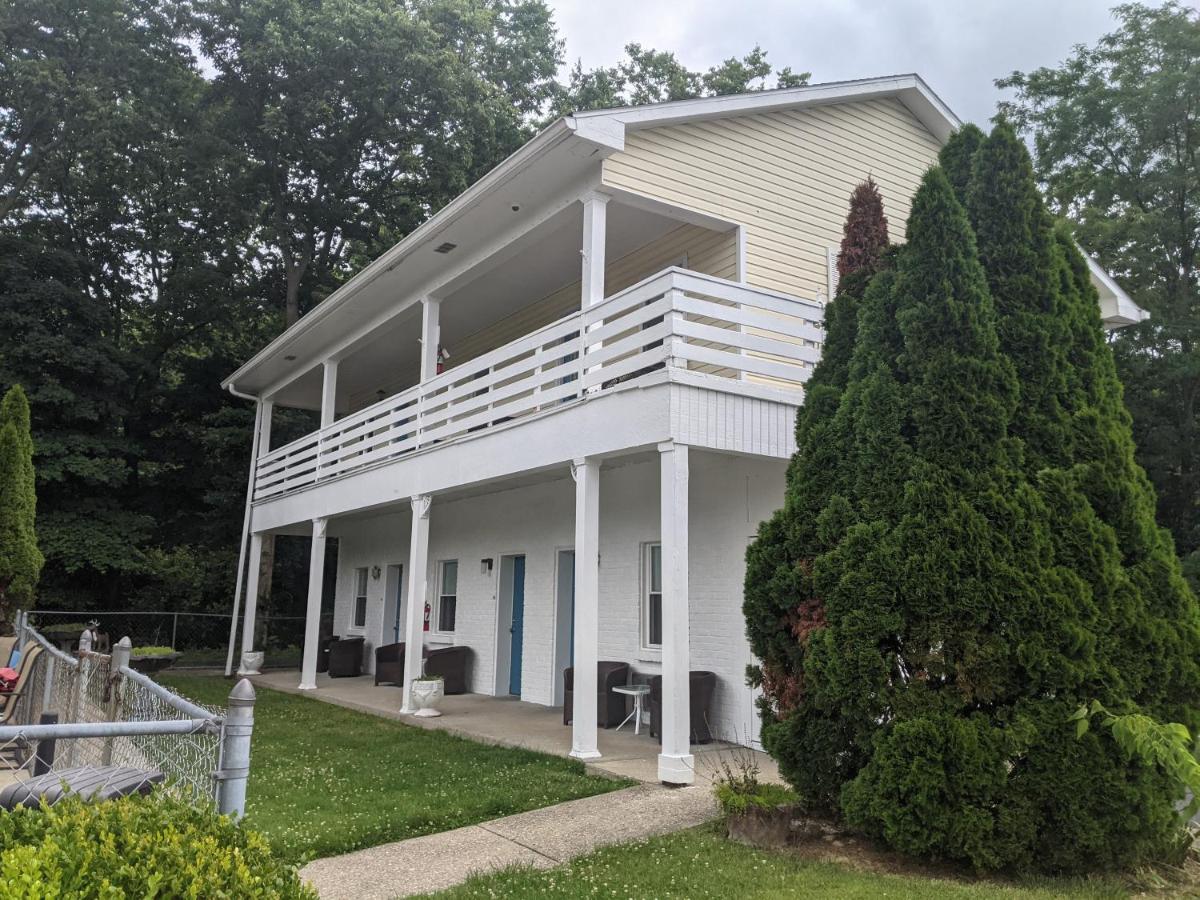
point(679, 320)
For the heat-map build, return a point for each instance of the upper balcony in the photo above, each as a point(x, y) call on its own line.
point(677, 325)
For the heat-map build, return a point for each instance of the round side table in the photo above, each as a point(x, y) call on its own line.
point(638, 692)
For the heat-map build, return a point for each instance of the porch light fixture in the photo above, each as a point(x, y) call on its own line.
point(376, 572)
point(444, 248)
point(485, 566)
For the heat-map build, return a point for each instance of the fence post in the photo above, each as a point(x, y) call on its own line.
point(174, 630)
point(235, 750)
point(119, 658)
point(71, 713)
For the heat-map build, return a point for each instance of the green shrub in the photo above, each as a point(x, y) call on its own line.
point(149, 847)
point(739, 791)
point(967, 553)
point(152, 651)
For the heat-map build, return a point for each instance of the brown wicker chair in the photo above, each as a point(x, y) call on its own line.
point(345, 658)
point(323, 644)
point(701, 686)
point(389, 664)
point(453, 664)
point(610, 706)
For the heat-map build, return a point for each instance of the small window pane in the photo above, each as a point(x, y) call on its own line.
point(446, 611)
point(654, 637)
point(360, 612)
point(450, 577)
point(656, 569)
point(360, 585)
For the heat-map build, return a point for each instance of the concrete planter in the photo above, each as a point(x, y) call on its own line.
point(252, 663)
point(426, 692)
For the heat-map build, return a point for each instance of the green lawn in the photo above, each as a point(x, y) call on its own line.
point(326, 780)
point(702, 863)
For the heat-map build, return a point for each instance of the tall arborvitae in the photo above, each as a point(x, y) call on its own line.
point(778, 601)
point(946, 627)
point(957, 157)
point(20, 558)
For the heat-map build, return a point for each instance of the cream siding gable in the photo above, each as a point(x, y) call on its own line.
point(785, 176)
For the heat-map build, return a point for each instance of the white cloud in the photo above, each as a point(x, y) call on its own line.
point(958, 46)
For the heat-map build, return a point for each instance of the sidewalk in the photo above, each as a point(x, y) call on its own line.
point(542, 838)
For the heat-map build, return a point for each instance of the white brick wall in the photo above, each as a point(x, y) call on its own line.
point(729, 496)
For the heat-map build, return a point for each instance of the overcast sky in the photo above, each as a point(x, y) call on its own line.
point(958, 46)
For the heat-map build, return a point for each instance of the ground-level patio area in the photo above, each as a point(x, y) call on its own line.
point(510, 722)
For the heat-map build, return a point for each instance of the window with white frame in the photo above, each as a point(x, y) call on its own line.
point(652, 621)
point(360, 599)
point(447, 595)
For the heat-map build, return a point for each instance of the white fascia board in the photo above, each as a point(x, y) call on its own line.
point(1117, 307)
point(427, 233)
point(911, 89)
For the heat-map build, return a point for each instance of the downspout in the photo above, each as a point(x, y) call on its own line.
point(241, 566)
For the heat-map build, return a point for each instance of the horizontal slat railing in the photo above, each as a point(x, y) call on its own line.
point(677, 320)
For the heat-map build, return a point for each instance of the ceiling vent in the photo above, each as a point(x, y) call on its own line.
point(444, 248)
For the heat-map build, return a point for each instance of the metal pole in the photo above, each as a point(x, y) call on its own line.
point(72, 711)
point(119, 659)
point(235, 750)
point(174, 630)
point(241, 566)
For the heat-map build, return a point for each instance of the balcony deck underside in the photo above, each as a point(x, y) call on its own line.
point(702, 411)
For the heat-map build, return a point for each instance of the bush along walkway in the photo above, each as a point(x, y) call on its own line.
point(540, 839)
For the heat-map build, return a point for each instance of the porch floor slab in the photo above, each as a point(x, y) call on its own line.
point(510, 722)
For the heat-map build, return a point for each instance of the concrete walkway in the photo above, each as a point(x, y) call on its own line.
point(542, 838)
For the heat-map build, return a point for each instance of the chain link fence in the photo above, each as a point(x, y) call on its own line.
point(200, 639)
point(90, 713)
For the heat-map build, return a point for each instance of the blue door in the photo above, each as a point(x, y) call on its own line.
point(518, 625)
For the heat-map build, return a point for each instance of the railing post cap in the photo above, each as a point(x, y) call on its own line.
point(242, 693)
point(125, 642)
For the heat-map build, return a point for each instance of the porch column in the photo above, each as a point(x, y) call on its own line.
point(312, 624)
point(431, 333)
point(676, 765)
point(255, 563)
point(418, 594)
point(267, 408)
point(328, 392)
point(595, 221)
point(586, 473)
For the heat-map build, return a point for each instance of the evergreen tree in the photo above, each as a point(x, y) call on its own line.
point(777, 598)
point(955, 613)
point(20, 559)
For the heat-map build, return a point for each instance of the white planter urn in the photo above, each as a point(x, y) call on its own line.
point(252, 663)
point(426, 692)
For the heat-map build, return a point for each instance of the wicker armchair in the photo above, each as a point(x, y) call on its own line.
point(610, 706)
point(345, 658)
point(389, 664)
point(453, 664)
point(701, 686)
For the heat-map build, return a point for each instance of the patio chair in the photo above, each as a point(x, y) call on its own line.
point(323, 645)
point(7, 642)
point(15, 700)
point(452, 663)
point(701, 686)
point(345, 658)
point(610, 706)
point(389, 664)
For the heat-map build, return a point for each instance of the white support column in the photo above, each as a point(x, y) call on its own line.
point(431, 333)
point(676, 765)
point(418, 594)
point(264, 428)
point(312, 624)
point(329, 392)
point(255, 564)
point(595, 220)
point(586, 473)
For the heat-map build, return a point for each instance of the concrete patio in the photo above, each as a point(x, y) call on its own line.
point(510, 722)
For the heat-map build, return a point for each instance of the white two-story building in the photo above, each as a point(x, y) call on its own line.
point(555, 414)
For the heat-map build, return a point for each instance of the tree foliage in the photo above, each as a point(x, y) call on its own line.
point(20, 559)
point(969, 552)
point(1115, 128)
point(655, 76)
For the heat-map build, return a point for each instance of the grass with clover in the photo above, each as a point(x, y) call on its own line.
point(326, 780)
point(701, 863)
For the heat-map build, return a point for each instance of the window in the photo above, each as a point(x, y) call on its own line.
point(448, 596)
point(360, 599)
point(652, 598)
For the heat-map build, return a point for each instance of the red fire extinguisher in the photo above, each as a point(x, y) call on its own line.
point(428, 610)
